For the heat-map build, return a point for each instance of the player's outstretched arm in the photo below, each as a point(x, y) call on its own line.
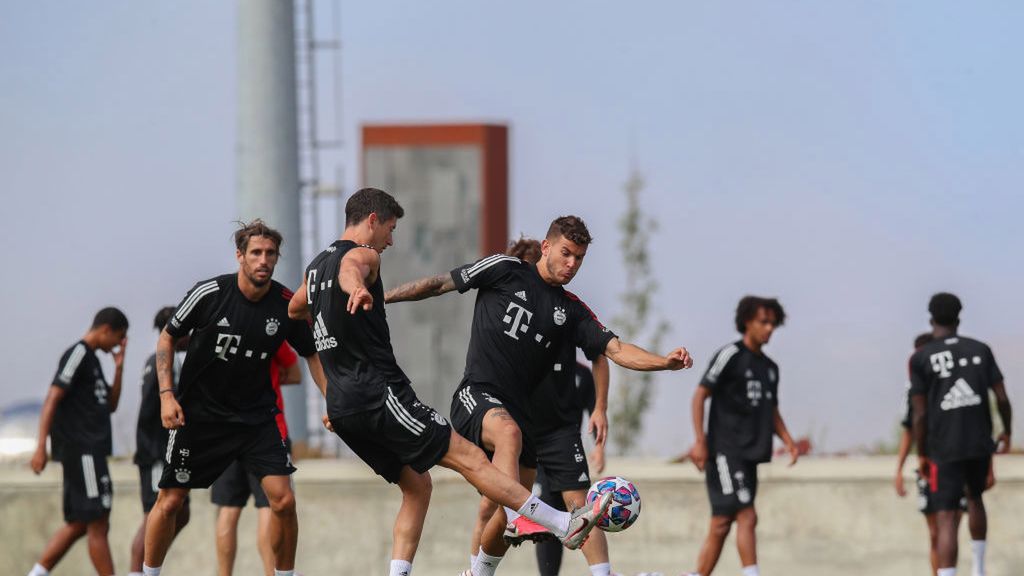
point(1005, 414)
point(782, 432)
point(358, 268)
point(636, 358)
point(53, 397)
point(171, 414)
point(421, 289)
point(699, 452)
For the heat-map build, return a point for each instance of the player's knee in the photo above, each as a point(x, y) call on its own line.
point(98, 528)
point(169, 502)
point(283, 504)
point(747, 518)
point(508, 436)
point(77, 529)
point(720, 526)
point(417, 485)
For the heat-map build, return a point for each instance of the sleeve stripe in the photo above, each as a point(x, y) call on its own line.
point(71, 366)
point(723, 358)
point(488, 262)
point(194, 298)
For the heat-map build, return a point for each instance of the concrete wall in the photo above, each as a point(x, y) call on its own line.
point(824, 517)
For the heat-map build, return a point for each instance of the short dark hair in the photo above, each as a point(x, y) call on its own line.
point(945, 309)
point(257, 227)
point(571, 228)
point(163, 316)
point(526, 249)
point(923, 339)
point(112, 317)
point(371, 201)
point(748, 307)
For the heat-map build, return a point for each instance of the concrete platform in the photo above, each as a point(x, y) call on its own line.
point(826, 516)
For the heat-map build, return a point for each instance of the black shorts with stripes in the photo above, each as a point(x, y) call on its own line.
point(401, 432)
point(88, 491)
point(470, 405)
point(198, 452)
point(731, 482)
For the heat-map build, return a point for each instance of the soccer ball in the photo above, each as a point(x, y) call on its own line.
point(625, 506)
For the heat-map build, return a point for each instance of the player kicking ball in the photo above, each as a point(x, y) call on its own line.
point(370, 401)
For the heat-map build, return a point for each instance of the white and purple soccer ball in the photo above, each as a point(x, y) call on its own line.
point(625, 506)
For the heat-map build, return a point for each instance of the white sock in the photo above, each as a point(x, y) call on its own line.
point(136, 574)
point(38, 570)
point(511, 514)
point(472, 560)
point(978, 550)
point(150, 571)
point(400, 568)
point(603, 569)
point(946, 572)
point(751, 570)
point(546, 516)
point(485, 564)
point(284, 572)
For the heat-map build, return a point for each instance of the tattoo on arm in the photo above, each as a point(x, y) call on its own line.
point(500, 413)
point(421, 289)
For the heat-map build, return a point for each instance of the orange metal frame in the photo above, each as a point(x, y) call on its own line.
point(492, 139)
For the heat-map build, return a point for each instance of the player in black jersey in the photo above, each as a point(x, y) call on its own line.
point(950, 380)
point(370, 401)
point(522, 319)
point(151, 444)
point(743, 385)
point(556, 411)
point(224, 405)
point(76, 416)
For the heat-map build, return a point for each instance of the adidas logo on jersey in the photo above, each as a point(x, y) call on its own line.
point(224, 323)
point(961, 395)
point(521, 295)
point(324, 341)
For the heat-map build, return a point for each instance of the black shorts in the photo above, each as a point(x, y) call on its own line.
point(470, 405)
point(234, 486)
point(88, 491)
point(199, 452)
point(560, 454)
point(149, 484)
point(952, 481)
point(401, 432)
point(925, 500)
point(731, 482)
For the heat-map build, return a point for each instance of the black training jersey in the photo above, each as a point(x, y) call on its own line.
point(355, 349)
point(561, 398)
point(744, 395)
point(226, 373)
point(521, 324)
point(150, 434)
point(82, 421)
point(955, 375)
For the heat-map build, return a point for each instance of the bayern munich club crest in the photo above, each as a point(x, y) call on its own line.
point(559, 316)
point(272, 325)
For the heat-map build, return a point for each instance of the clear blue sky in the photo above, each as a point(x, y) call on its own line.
point(849, 158)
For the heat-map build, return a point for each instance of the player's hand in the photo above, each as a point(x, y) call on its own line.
point(598, 427)
point(327, 423)
point(1003, 443)
point(38, 462)
point(119, 353)
point(794, 453)
point(897, 483)
point(360, 298)
point(678, 359)
point(699, 455)
point(171, 414)
point(597, 458)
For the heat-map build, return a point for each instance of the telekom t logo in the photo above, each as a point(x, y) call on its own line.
point(227, 345)
point(942, 362)
point(519, 319)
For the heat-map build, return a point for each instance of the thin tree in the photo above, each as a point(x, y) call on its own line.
point(634, 323)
